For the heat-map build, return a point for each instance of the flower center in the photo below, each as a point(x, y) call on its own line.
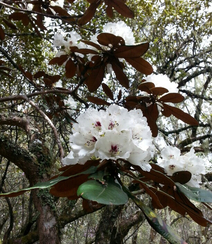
point(172, 166)
point(114, 150)
point(90, 142)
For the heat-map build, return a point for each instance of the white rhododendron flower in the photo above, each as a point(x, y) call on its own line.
point(120, 28)
point(172, 161)
point(162, 81)
point(73, 40)
point(112, 134)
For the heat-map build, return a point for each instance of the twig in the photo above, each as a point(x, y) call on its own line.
point(51, 125)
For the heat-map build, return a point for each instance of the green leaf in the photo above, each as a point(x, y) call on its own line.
point(47, 184)
point(196, 194)
point(108, 193)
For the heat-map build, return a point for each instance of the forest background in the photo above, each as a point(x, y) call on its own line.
point(41, 98)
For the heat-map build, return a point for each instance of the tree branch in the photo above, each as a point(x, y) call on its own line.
point(20, 157)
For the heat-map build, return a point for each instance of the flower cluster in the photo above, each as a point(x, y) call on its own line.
point(172, 161)
point(161, 80)
point(73, 40)
point(112, 134)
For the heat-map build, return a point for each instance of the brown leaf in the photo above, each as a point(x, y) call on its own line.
point(178, 113)
point(119, 95)
point(2, 35)
point(16, 15)
point(107, 38)
point(141, 65)
point(48, 82)
point(97, 100)
point(59, 60)
point(55, 78)
point(89, 13)
point(151, 193)
point(68, 188)
point(39, 74)
point(131, 51)
point(14, 194)
point(146, 86)
point(172, 97)
point(109, 11)
point(107, 91)
point(94, 80)
point(20, 16)
point(121, 8)
point(158, 91)
point(92, 44)
point(151, 113)
point(155, 176)
point(83, 50)
point(90, 206)
point(70, 68)
point(179, 203)
point(29, 75)
point(39, 22)
point(120, 75)
point(182, 177)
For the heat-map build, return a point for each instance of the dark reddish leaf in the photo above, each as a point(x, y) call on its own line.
point(146, 86)
point(9, 24)
point(182, 177)
point(29, 75)
point(119, 95)
point(107, 38)
point(166, 112)
point(59, 60)
point(107, 91)
point(20, 16)
point(94, 80)
point(141, 65)
point(16, 15)
point(178, 113)
point(92, 44)
point(172, 97)
point(97, 100)
point(181, 205)
point(151, 193)
point(2, 35)
point(131, 51)
point(89, 13)
point(55, 78)
point(14, 194)
point(78, 168)
point(48, 82)
point(120, 75)
point(158, 91)
point(90, 206)
point(70, 68)
point(39, 74)
point(68, 188)
point(121, 8)
point(151, 113)
point(155, 176)
point(84, 51)
point(39, 22)
point(109, 11)
point(60, 11)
